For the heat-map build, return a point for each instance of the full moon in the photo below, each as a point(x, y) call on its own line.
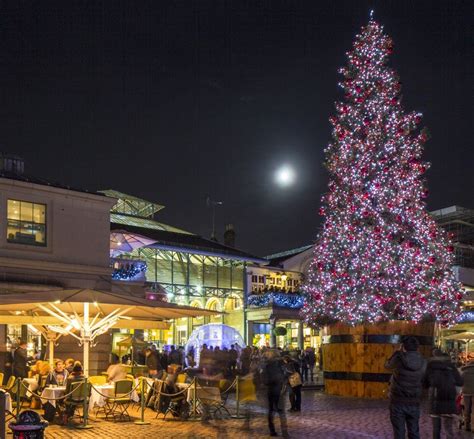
point(285, 176)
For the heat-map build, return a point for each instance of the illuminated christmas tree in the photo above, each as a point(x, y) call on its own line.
point(380, 256)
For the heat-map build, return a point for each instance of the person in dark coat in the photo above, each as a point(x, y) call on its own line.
point(292, 371)
point(154, 367)
point(20, 361)
point(274, 378)
point(467, 373)
point(441, 379)
point(408, 367)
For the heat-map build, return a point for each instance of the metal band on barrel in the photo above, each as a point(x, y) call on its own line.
point(358, 376)
point(376, 338)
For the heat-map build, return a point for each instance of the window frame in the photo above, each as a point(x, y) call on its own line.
point(36, 244)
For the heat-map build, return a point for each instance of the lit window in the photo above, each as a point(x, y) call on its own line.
point(278, 281)
point(26, 223)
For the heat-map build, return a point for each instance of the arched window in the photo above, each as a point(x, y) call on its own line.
point(232, 303)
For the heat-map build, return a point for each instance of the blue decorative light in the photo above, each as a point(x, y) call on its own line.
point(466, 317)
point(284, 300)
point(129, 271)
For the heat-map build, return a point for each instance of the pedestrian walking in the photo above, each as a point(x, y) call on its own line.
point(311, 356)
point(467, 373)
point(441, 379)
point(295, 381)
point(408, 367)
point(275, 378)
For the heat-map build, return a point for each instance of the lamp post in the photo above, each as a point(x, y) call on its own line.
point(272, 320)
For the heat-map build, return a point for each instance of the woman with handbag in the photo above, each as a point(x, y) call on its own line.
point(295, 381)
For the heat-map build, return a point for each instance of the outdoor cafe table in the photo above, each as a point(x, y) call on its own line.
point(8, 403)
point(52, 392)
point(101, 392)
point(209, 393)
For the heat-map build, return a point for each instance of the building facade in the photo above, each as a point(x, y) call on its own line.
point(180, 267)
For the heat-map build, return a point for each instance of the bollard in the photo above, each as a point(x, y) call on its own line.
point(195, 398)
point(85, 408)
point(18, 398)
point(3, 401)
point(142, 404)
point(237, 400)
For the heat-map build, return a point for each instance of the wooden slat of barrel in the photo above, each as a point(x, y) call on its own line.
point(366, 357)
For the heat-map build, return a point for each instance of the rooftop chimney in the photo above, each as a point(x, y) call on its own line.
point(11, 163)
point(229, 235)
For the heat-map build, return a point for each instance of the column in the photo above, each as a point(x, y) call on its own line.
point(273, 338)
point(300, 335)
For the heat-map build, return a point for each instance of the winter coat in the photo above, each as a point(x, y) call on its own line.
point(441, 378)
point(20, 363)
point(274, 375)
point(468, 377)
point(406, 381)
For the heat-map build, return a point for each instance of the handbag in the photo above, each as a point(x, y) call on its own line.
point(295, 379)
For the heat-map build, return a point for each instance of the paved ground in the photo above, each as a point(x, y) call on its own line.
point(322, 416)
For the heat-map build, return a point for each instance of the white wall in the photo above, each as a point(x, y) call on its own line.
point(78, 229)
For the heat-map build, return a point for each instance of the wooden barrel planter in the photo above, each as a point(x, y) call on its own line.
point(354, 356)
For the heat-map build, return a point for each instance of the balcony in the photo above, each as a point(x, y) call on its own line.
point(275, 298)
point(128, 270)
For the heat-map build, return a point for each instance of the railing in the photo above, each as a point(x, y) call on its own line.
point(284, 300)
point(128, 269)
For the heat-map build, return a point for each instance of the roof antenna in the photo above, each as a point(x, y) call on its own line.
point(213, 204)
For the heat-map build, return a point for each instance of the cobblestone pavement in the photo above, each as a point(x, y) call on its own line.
point(322, 416)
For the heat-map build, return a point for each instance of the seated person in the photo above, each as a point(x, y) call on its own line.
point(59, 374)
point(76, 375)
point(116, 371)
point(69, 364)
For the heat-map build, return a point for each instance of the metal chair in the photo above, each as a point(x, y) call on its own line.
point(75, 400)
point(118, 405)
point(97, 380)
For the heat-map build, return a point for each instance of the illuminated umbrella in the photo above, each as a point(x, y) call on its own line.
point(465, 337)
point(122, 241)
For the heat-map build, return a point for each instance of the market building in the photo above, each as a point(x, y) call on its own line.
point(275, 299)
point(179, 267)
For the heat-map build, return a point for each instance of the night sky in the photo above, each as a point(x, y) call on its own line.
point(176, 100)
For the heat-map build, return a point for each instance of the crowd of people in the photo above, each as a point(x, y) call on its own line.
point(443, 381)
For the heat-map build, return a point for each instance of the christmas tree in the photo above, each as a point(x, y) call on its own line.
point(380, 256)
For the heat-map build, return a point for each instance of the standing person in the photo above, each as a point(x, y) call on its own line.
point(295, 381)
point(233, 355)
point(408, 367)
point(468, 392)
point(20, 361)
point(151, 362)
point(303, 357)
point(274, 378)
point(441, 378)
point(311, 356)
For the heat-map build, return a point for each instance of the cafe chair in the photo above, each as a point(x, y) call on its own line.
point(76, 398)
point(98, 380)
point(117, 406)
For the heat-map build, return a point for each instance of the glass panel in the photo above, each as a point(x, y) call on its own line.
point(224, 273)
point(238, 275)
point(13, 209)
point(39, 213)
point(26, 211)
point(164, 266)
point(179, 268)
point(195, 270)
point(210, 272)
